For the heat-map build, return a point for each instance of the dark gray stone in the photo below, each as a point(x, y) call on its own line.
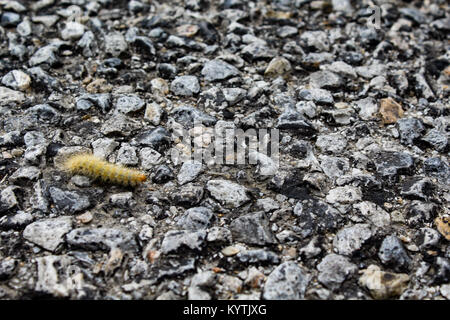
point(258, 256)
point(69, 201)
point(252, 228)
point(217, 70)
point(158, 139)
point(410, 130)
point(98, 100)
point(389, 164)
point(437, 139)
point(188, 116)
point(417, 188)
point(393, 254)
point(196, 218)
point(101, 239)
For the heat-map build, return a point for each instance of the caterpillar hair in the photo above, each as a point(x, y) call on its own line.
point(89, 165)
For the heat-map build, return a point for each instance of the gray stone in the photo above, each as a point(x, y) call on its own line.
point(373, 213)
point(158, 139)
point(9, 19)
point(413, 14)
point(38, 200)
point(219, 235)
point(188, 116)
point(8, 199)
point(227, 193)
point(367, 107)
point(325, 80)
point(188, 195)
point(200, 285)
point(417, 188)
point(103, 147)
point(410, 129)
point(252, 228)
point(351, 239)
point(28, 173)
point(16, 221)
point(129, 103)
point(334, 167)
point(122, 199)
point(342, 69)
point(286, 282)
point(119, 124)
point(175, 240)
point(115, 44)
point(435, 167)
point(52, 276)
point(48, 233)
point(127, 155)
point(185, 86)
point(267, 204)
point(17, 80)
point(419, 212)
point(153, 113)
point(69, 201)
point(315, 216)
point(98, 100)
point(88, 43)
point(189, 171)
point(12, 138)
point(437, 139)
point(320, 96)
point(101, 239)
point(307, 108)
point(257, 50)
point(346, 194)
point(392, 253)
point(8, 96)
point(258, 256)
point(389, 164)
point(196, 218)
point(423, 88)
point(33, 138)
point(149, 158)
point(287, 31)
point(33, 154)
point(334, 269)
point(174, 267)
point(7, 268)
point(234, 95)
point(342, 5)
point(72, 31)
point(217, 70)
point(294, 121)
point(46, 55)
point(316, 39)
point(427, 238)
point(334, 143)
point(372, 70)
point(43, 113)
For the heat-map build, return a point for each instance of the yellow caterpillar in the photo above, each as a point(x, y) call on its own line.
point(89, 165)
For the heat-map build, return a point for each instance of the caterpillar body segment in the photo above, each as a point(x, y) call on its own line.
point(96, 168)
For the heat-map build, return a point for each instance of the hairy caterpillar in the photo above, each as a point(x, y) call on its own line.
point(89, 165)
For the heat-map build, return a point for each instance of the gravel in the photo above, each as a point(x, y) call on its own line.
point(355, 206)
